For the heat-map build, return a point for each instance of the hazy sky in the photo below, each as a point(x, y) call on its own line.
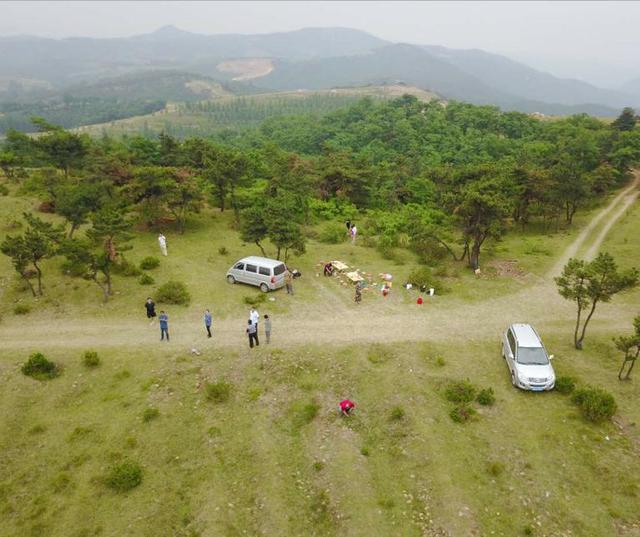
point(595, 41)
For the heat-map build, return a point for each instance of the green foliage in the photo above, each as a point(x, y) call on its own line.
point(462, 413)
point(379, 354)
point(91, 359)
point(150, 414)
point(4, 190)
point(495, 468)
point(565, 384)
point(626, 121)
point(146, 279)
point(218, 392)
point(461, 391)
point(124, 476)
point(397, 413)
point(630, 346)
point(125, 268)
point(21, 309)
point(223, 250)
point(254, 300)
point(304, 414)
point(595, 404)
point(173, 292)
point(486, 397)
point(333, 233)
point(149, 263)
point(39, 368)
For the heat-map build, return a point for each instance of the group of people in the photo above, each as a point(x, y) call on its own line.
point(352, 230)
point(251, 328)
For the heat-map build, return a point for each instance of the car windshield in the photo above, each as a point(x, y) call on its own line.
point(532, 356)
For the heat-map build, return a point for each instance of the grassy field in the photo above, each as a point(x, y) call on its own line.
point(275, 458)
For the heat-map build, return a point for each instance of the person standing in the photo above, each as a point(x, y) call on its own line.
point(151, 309)
point(164, 325)
point(288, 281)
point(348, 224)
point(207, 322)
point(252, 332)
point(358, 297)
point(354, 232)
point(254, 316)
point(267, 328)
point(162, 241)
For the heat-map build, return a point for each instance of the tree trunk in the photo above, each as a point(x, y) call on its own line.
point(278, 255)
point(261, 248)
point(39, 272)
point(474, 255)
point(577, 345)
point(33, 291)
point(586, 322)
point(72, 230)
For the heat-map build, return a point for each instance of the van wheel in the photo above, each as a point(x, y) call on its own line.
point(231, 279)
point(264, 288)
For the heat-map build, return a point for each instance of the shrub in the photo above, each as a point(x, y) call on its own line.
point(254, 300)
point(4, 191)
point(173, 292)
point(218, 392)
point(425, 277)
point(462, 413)
point(440, 361)
point(21, 309)
point(486, 397)
point(223, 250)
point(38, 367)
point(333, 233)
point(495, 468)
point(461, 391)
point(124, 476)
point(397, 413)
point(379, 354)
point(596, 404)
point(146, 279)
point(305, 414)
point(150, 414)
point(91, 359)
point(149, 263)
point(565, 385)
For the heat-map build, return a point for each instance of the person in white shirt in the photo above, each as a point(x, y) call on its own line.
point(354, 232)
point(162, 241)
point(254, 316)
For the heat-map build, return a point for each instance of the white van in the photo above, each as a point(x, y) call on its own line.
point(268, 274)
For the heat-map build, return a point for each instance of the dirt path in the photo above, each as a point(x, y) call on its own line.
point(621, 202)
point(346, 323)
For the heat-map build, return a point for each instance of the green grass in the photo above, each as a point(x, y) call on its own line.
point(270, 454)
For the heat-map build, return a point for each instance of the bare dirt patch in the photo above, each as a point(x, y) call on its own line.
point(246, 68)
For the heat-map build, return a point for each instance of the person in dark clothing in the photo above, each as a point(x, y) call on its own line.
point(207, 322)
point(252, 332)
point(328, 269)
point(348, 224)
point(164, 325)
point(358, 297)
point(151, 309)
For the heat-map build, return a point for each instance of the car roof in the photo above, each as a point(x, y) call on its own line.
point(526, 335)
point(264, 261)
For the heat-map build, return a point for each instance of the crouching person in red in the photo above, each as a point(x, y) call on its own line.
point(346, 407)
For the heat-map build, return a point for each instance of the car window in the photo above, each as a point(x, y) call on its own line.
point(278, 270)
point(264, 271)
point(532, 356)
point(251, 268)
point(512, 342)
point(239, 266)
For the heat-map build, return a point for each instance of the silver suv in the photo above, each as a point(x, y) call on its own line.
point(528, 361)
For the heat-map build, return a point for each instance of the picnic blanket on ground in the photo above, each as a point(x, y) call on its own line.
point(354, 276)
point(339, 265)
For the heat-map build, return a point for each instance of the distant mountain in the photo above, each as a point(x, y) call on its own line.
point(311, 58)
point(632, 87)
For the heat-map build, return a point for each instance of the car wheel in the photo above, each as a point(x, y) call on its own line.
point(264, 288)
point(231, 279)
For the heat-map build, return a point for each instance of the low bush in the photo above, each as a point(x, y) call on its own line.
point(595, 404)
point(254, 300)
point(461, 391)
point(127, 269)
point(495, 468)
point(149, 263)
point(146, 279)
point(150, 414)
point(21, 309)
point(218, 392)
point(91, 359)
point(124, 476)
point(379, 354)
point(305, 414)
point(38, 367)
point(565, 385)
point(462, 413)
point(486, 397)
point(4, 191)
point(397, 413)
point(173, 292)
point(333, 233)
point(223, 250)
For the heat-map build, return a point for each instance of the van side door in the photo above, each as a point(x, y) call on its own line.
point(251, 272)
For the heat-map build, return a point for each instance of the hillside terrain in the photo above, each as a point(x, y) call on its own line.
point(312, 58)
